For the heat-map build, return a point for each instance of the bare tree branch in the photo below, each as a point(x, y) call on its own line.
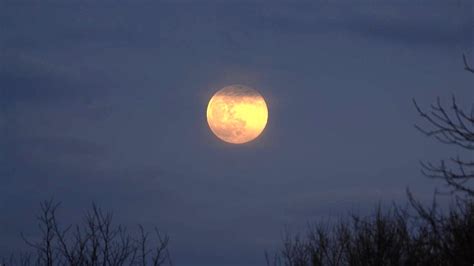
point(466, 65)
point(97, 241)
point(455, 128)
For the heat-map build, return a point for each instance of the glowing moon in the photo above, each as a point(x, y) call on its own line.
point(237, 114)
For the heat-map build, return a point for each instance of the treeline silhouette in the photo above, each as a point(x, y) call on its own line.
point(390, 237)
point(97, 241)
point(410, 235)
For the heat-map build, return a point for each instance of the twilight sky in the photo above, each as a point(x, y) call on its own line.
point(104, 101)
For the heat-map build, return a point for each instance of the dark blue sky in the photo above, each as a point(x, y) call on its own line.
point(105, 101)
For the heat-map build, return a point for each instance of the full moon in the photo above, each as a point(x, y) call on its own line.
point(237, 114)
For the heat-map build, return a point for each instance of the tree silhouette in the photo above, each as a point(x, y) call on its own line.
point(97, 241)
point(451, 126)
point(413, 235)
point(390, 237)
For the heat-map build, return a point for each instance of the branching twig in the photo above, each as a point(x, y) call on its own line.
point(466, 65)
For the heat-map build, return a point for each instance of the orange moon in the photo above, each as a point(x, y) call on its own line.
point(237, 114)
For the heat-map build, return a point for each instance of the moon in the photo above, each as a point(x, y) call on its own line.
point(237, 114)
